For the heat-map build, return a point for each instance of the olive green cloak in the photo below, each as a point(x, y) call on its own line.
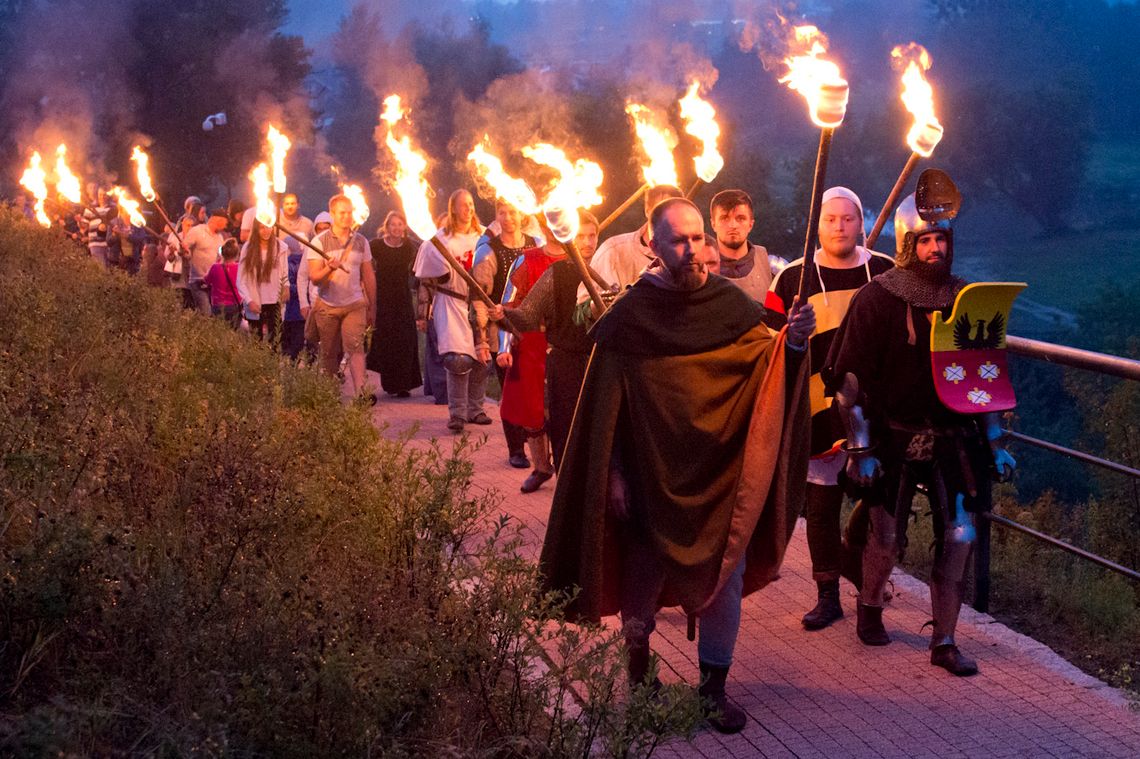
point(695, 395)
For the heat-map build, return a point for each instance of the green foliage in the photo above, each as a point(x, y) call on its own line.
point(203, 551)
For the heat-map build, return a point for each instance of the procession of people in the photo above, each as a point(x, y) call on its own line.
point(717, 394)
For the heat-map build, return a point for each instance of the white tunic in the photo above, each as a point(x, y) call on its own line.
point(451, 315)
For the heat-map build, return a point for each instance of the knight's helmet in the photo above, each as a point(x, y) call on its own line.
point(934, 204)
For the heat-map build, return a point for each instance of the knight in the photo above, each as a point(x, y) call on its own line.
point(900, 435)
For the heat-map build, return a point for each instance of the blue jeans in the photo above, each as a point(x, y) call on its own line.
point(643, 578)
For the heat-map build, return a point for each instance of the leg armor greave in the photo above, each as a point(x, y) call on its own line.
point(878, 556)
point(956, 535)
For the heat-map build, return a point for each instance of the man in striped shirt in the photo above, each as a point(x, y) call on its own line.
point(841, 266)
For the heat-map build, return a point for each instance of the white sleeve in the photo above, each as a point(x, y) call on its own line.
point(303, 283)
point(243, 284)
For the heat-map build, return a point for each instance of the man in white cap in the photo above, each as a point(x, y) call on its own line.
point(841, 266)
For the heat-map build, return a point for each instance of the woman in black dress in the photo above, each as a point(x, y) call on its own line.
point(394, 353)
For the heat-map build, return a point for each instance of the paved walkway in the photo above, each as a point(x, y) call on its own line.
point(823, 694)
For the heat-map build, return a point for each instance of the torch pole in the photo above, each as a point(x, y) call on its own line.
point(158, 204)
point(813, 211)
point(622, 208)
point(693, 190)
point(585, 271)
point(302, 240)
point(892, 199)
point(472, 286)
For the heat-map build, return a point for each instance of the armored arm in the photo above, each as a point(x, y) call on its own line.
point(1004, 463)
point(863, 467)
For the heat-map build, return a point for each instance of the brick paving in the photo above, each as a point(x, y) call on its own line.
point(823, 694)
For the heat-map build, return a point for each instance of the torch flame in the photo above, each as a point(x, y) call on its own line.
point(700, 121)
point(511, 189)
point(410, 184)
point(577, 187)
point(130, 205)
point(141, 160)
point(35, 180)
point(266, 211)
point(918, 97)
point(360, 210)
point(817, 79)
point(67, 184)
point(658, 144)
point(279, 146)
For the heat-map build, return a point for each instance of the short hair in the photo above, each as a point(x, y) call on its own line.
point(231, 248)
point(292, 195)
point(658, 193)
point(236, 207)
point(585, 217)
point(730, 199)
point(339, 198)
point(501, 201)
point(659, 210)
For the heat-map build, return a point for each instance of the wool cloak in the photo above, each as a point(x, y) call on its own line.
point(708, 414)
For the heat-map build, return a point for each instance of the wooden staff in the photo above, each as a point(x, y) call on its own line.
point(693, 190)
point(892, 198)
point(623, 207)
point(173, 228)
point(813, 212)
point(585, 271)
point(472, 286)
point(303, 241)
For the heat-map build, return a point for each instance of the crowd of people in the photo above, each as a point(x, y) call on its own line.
point(690, 414)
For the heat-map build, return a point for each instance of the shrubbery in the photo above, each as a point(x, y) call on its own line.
point(204, 552)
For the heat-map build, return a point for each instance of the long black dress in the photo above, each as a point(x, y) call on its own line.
point(394, 353)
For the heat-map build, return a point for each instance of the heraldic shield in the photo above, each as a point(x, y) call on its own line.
point(968, 353)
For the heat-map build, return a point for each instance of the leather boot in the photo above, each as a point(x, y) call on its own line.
point(639, 654)
point(827, 608)
point(951, 659)
point(720, 713)
point(869, 625)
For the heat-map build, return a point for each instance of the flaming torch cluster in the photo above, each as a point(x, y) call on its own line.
point(66, 183)
point(925, 133)
point(820, 83)
point(130, 205)
point(657, 142)
point(34, 180)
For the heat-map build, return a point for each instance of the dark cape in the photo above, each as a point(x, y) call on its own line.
point(394, 353)
point(694, 393)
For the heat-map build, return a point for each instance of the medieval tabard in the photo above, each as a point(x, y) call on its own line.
point(709, 419)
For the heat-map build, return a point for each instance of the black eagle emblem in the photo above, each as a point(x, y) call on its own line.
point(985, 337)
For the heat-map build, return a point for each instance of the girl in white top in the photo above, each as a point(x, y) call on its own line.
point(263, 281)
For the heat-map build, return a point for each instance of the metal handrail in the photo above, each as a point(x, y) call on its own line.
point(1103, 363)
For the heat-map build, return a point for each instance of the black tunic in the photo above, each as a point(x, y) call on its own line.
point(394, 353)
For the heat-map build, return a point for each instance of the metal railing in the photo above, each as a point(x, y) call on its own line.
point(1102, 363)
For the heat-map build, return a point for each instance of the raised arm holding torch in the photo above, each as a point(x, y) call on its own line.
point(924, 134)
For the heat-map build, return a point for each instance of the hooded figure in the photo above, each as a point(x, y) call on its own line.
point(687, 448)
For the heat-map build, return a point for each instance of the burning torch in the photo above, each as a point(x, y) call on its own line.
point(700, 121)
point(66, 183)
point(577, 187)
point(412, 188)
point(657, 142)
point(142, 163)
point(924, 134)
point(819, 82)
point(34, 179)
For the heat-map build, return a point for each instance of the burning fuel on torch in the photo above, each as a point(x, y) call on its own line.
point(142, 162)
point(512, 189)
point(66, 183)
point(34, 180)
point(700, 122)
point(279, 146)
point(925, 133)
point(657, 141)
point(410, 184)
point(128, 204)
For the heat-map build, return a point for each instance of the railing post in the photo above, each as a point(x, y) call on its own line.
point(982, 561)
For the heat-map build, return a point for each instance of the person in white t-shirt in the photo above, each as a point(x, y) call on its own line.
point(466, 355)
point(346, 285)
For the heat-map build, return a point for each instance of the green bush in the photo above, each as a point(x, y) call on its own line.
point(204, 552)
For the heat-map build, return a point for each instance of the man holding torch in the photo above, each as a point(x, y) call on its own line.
point(688, 447)
point(899, 433)
point(840, 266)
point(347, 288)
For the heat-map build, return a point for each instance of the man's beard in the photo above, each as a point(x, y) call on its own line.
point(687, 278)
point(935, 273)
point(734, 246)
